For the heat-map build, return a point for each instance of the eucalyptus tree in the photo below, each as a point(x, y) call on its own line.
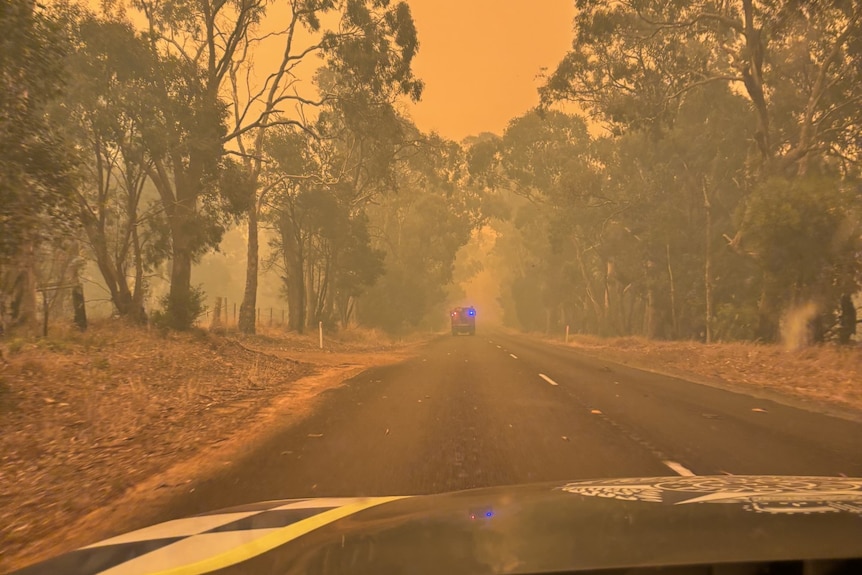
point(797, 63)
point(108, 67)
point(420, 229)
point(36, 165)
point(635, 65)
point(366, 47)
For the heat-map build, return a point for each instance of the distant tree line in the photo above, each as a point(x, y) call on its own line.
point(720, 198)
point(138, 149)
point(708, 188)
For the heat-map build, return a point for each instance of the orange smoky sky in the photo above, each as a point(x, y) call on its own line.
point(479, 60)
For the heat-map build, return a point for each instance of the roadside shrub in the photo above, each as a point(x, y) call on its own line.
point(180, 314)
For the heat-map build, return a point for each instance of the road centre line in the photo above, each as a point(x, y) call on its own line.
point(513, 356)
point(548, 379)
point(679, 469)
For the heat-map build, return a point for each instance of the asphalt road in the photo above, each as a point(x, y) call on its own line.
point(496, 409)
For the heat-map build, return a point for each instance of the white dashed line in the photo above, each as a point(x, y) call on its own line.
point(548, 379)
point(513, 356)
point(499, 347)
point(679, 469)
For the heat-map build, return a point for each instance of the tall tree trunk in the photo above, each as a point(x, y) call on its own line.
point(297, 313)
point(135, 184)
point(79, 306)
point(215, 322)
point(752, 76)
point(597, 310)
point(767, 325)
point(249, 296)
point(23, 300)
point(112, 272)
point(323, 297)
point(310, 295)
point(707, 266)
point(179, 190)
point(673, 317)
point(125, 296)
point(181, 315)
point(649, 313)
point(345, 309)
point(294, 279)
point(139, 314)
point(608, 322)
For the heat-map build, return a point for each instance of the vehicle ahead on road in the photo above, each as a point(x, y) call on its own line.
point(463, 320)
point(701, 525)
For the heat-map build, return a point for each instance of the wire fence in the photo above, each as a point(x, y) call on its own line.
point(225, 313)
point(64, 305)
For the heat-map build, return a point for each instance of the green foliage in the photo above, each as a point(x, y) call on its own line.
point(549, 161)
point(615, 239)
point(667, 228)
point(421, 229)
point(109, 68)
point(323, 234)
point(355, 138)
point(632, 63)
point(180, 314)
point(236, 187)
point(359, 265)
point(544, 154)
point(804, 234)
point(36, 165)
point(375, 48)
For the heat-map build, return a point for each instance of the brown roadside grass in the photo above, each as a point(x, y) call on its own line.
point(827, 376)
point(85, 417)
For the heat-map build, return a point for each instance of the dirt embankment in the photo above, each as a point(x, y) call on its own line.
point(826, 378)
point(93, 424)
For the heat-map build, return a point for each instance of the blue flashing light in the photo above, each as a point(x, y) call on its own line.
point(489, 514)
point(472, 312)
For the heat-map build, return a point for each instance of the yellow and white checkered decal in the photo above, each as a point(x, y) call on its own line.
point(205, 543)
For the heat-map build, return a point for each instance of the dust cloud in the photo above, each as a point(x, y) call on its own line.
point(795, 326)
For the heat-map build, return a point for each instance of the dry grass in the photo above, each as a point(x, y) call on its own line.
point(351, 339)
point(87, 419)
point(826, 375)
point(354, 345)
point(84, 417)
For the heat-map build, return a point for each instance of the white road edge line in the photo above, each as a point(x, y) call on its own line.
point(548, 379)
point(679, 469)
point(513, 356)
